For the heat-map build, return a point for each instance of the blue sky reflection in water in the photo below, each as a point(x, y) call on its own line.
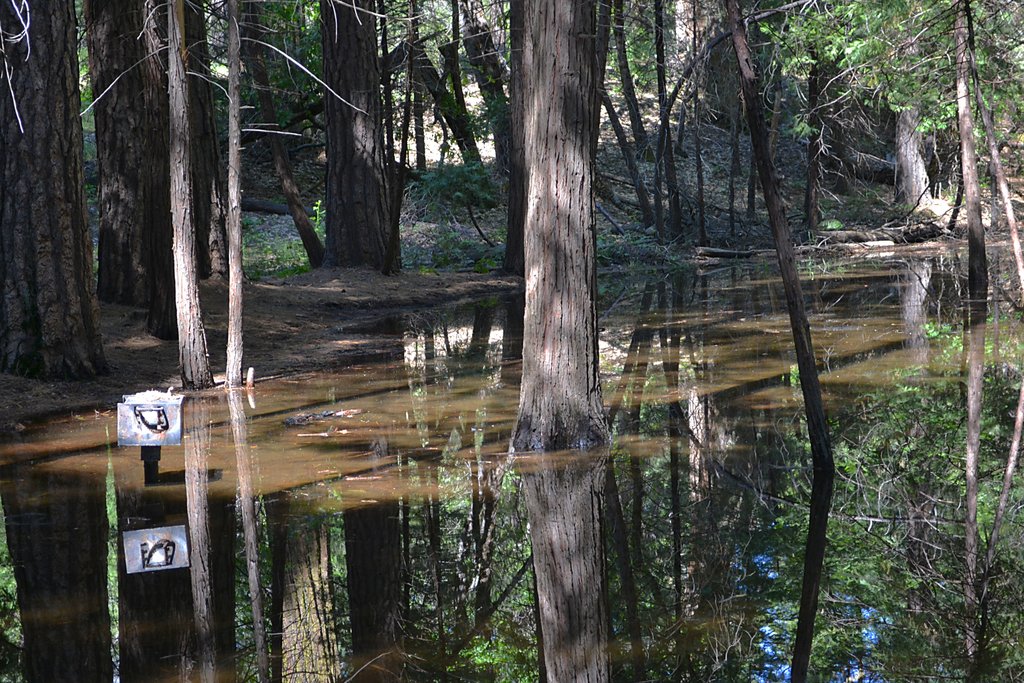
point(393, 529)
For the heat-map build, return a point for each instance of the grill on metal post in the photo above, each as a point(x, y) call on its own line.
point(150, 419)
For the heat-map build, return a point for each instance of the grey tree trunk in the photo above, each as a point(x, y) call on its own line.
point(49, 319)
point(912, 184)
point(560, 404)
point(233, 370)
point(517, 171)
point(128, 77)
point(192, 350)
point(357, 199)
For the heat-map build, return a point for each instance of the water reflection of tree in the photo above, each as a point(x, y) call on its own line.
point(57, 538)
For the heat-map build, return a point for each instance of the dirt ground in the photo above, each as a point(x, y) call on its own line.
point(315, 320)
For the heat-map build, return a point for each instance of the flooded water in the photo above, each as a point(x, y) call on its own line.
point(369, 524)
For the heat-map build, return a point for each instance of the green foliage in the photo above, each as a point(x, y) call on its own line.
point(453, 186)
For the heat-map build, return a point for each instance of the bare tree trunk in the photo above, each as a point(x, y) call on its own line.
point(636, 121)
point(911, 173)
point(192, 350)
point(643, 197)
point(977, 263)
point(702, 226)
point(233, 371)
point(817, 426)
point(560, 403)
point(252, 32)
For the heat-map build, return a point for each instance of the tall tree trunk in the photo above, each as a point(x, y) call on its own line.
point(817, 426)
point(192, 350)
point(490, 76)
point(208, 180)
point(456, 117)
point(911, 172)
point(636, 121)
point(977, 263)
point(418, 105)
point(560, 403)
point(518, 172)
point(357, 198)
point(57, 539)
point(564, 503)
point(252, 31)
point(49, 319)
point(643, 197)
point(135, 262)
point(233, 371)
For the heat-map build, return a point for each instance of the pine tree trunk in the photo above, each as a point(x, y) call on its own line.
point(49, 318)
point(490, 76)
point(233, 370)
point(911, 172)
point(357, 198)
point(560, 404)
point(135, 261)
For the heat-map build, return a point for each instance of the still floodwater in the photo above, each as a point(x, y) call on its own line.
point(390, 536)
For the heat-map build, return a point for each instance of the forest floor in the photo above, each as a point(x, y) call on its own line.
point(299, 321)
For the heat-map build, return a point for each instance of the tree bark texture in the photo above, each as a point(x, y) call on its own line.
point(817, 426)
point(49, 318)
point(518, 178)
point(977, 262)
point(564, 503)
point(357, 198)
point(233, 370)
point(129, 78)
point(57, 538)
point(252, 31)
point(192, 350)
point(911, 172)
point(208, 187)
point(560, 404)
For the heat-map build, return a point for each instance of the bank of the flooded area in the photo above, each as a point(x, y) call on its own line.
point(391, 529)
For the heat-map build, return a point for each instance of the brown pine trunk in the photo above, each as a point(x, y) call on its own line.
point(817, 427)
point(357, 198)
point(192, 350)
point(560, 404)
point(49, 319)
point(135, 264)
point(912, 184)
